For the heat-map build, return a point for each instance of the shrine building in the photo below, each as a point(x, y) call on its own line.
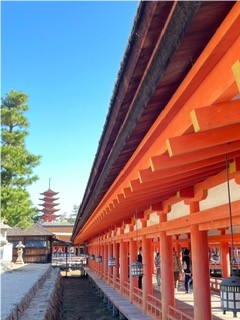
point(166, 174)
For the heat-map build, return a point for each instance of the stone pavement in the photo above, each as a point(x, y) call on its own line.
point(19, 286)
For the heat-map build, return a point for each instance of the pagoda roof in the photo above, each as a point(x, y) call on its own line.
point(46, 204)
point(48, 199)
point(49, 192)
point(49, 211)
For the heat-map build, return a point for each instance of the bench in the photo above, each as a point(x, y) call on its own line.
point(121, 306)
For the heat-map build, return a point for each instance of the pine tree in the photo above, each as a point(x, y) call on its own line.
point(17, 162)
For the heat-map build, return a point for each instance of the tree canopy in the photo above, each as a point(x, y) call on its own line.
point(17, 162)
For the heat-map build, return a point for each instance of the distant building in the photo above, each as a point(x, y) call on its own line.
point(37, 241)
point(49, 206)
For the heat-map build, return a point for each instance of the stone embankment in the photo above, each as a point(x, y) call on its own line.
point(33, 291)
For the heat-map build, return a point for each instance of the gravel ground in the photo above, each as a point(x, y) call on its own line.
point(81, 302)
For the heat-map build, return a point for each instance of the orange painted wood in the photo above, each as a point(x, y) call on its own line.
point(236, 72)
point(147, 270)
point(182, 171)
point(167, 282)
point(163, 161)
point(203, 140)
point(201, 277)
point(225, 259)
point(216, 115)
point(156, 207)
point(206, 216)
point(207, 92)
point(186, 192)
point(223, 223)
point(235, 165)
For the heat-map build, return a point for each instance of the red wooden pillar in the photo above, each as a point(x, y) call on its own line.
point(115, 268)
point(105, 266)
point(100, 268)
point(225, 260)
point(133, 258)
point(167, 279)
point(110, 254)
point(123, 264)
point(147, 270)
point(200, 266)
point(117, 256)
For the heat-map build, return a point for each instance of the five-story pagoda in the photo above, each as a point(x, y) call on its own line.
point(49, 205)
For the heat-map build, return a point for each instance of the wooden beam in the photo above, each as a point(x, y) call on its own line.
point(162, 162)
point(157, 207)
point(204, 216)
point(202, 140)
point(219, 224)
point(186, 192)
point(120, 197)
point(236, 72)
point(215, 116)
point(146, 175)
point(235, 165)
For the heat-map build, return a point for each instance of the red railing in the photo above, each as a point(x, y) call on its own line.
point(175, 314)
point(117, 284)
point(154, 307)
point(126, 289)
point(137, 296)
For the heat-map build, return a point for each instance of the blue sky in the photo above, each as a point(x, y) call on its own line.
point(65, 56)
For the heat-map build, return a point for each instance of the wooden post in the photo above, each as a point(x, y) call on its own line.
point(147, 270)
point(109, 268)
point(115, 255)
point(133, 258)
point(123, 264)
point(167, 279)
point(105, 266)
point(225, 260)
point(200, 266)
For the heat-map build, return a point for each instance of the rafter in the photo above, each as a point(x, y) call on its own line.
point(203, 140)
point(163, 161)
point(146, 175)
point(215, 116)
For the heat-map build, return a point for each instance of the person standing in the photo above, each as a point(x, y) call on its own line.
point(158, 267)
point(139, 259)
point(177, 268)
point(187, 268)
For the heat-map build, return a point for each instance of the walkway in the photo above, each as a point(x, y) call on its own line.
point(22, 283)
point(185, 303)
point(18, 286)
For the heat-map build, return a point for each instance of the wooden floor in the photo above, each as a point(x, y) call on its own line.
point(130, 311)
point(184, 302)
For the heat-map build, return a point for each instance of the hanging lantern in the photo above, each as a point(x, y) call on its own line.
point(99, 259)
point(111, 262)
point(230, 287)
point(92, 257)
point(230, 295)
point(136, 269)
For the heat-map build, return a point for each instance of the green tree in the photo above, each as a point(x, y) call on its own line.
point(17, 162)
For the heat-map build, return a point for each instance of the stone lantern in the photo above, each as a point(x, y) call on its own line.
point(20, 247)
